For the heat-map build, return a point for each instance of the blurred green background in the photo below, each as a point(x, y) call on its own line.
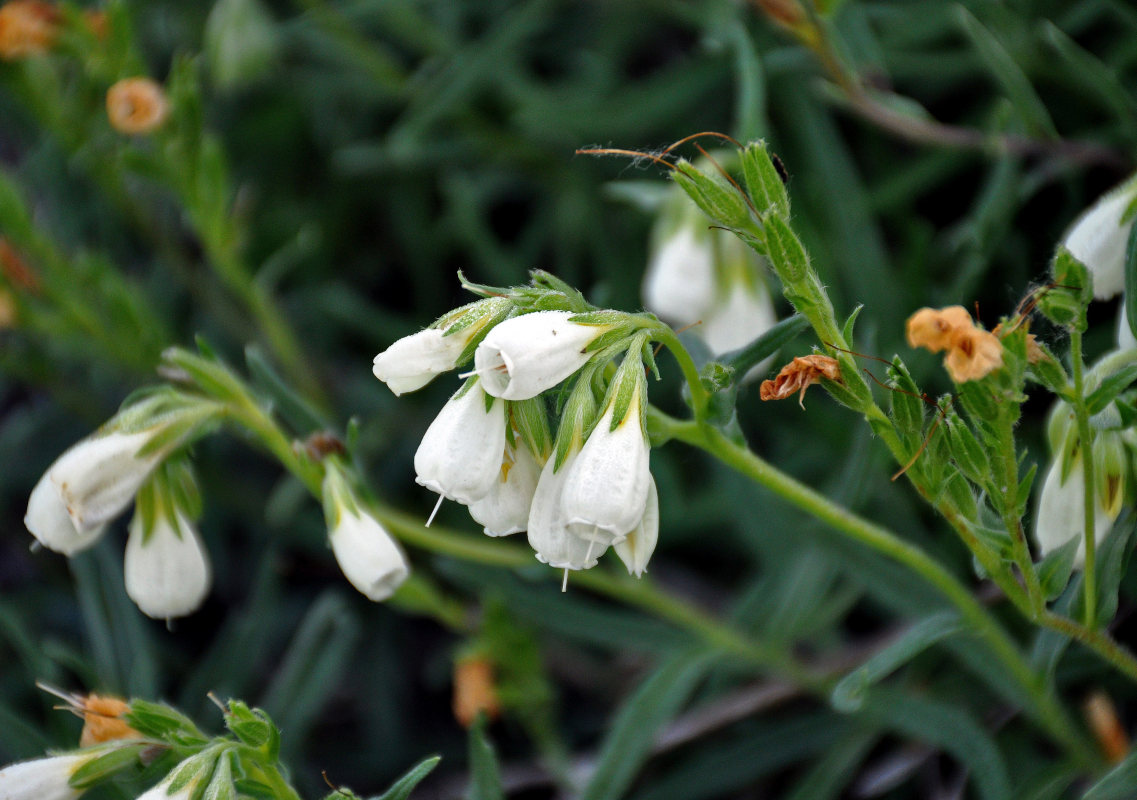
point(376, 147)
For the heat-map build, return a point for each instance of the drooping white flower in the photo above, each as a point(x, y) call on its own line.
point(1098, 239)
point(607, 485)
point(549, 534)
point(505, 509)
point(524, 356)
point(679, 284)
point(370, 558)
point(460, 453)
point(97, 478)
point(42, 778)
point(636, 549)
point(1061, 512)
point(414, 361)
point(744, 314)
point(167, 573)
point(48, 521)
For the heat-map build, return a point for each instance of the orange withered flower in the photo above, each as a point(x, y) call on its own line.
point(799, 375)
point(474, 690)
point(101, 715)
point(137, 105)
point(973, 353)
point(15, 270)
point(27, 28)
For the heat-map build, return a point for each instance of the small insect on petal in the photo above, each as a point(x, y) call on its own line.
point(799, 375)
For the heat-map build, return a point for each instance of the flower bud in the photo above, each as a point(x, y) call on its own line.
point(137, 106)
point(1099, 237)
point(524, 356)
point(461, 452)
point(166, 570)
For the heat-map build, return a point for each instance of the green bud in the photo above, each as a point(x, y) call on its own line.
point(721, 201)
point(1072, 275)
point(1061, 306)
point(1111, 466)
point(241, 42)
point(961, 495)
point(966, 450)
point(787, 256)
point(764, 181)
point(907, 406)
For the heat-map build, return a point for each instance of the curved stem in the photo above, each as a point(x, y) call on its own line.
point(1085, 448)
point(1012, 521)
point(699, 397)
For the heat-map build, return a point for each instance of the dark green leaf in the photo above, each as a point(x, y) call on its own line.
point(402, 788)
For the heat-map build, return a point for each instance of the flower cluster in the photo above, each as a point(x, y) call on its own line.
point(166, 569)
point(490, 447)
point(698, 275)
point(972, 353)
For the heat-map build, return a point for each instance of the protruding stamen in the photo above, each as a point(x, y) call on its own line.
point(564, 582)
point(437, 506)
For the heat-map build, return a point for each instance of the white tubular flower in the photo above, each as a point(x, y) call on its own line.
point(414, 361)
point(97, 478)
point(679, 284)
point(1098, 239)
point(505, 509)
point(636, 549)
point(167, 573)
point(607, 486)
point(460, 453)
point(549, 535)
point(48, 521)
point(742, 316)
point(42, 778)
point(1061, 514)
point(370, 558)
point(524, 356)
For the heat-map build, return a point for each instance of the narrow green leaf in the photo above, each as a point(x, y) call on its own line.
point(115, 759)
point(1112, 386)
point(1055, 570)
point(485, 774)
point(286, 401)
point(1117, 784)
point(402, 788)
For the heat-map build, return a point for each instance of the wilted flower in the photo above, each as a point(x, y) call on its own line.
point(799, 375)
point(973, 353)
point(607, 486)
point(166, 570)
point(370, 558)
point(637, 547)
point(474, 690)
point(1098, 238)
point(505, 509)
point(27, 28)
point(524, 356)
point(460, 453)
point(137, 105)
point(42, 778)
point(101, 715)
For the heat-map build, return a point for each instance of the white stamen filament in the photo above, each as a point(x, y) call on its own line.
point(437, 506)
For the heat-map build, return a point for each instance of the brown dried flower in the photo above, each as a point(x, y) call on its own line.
point(1101, 714)
point(101, 714)
point(973, 353)
point(27, 28)
point(1034, 353)
point(799, 375)
point(15, 270)
point(474, 690)
point(137, 105)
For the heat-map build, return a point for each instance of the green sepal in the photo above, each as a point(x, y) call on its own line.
point(995, 540)
point(578, 417)
point(906, 399)
point(969, 455)
point(958, 489)
point(257, 790)
point(1072, 275)
point(1025, 485)
point(160, 721)
point(253, 727)
point(978, 400)
point(117, 757)
point(1049, 372)
point(763, 181)
point(847, 330)
point(221, 786)
point(195, 770)
point(1055, 570)
point(628, 384)
point(402, 788)
point(788, 257)
point(531, 420)
point(718, 199)
point(1110, 388)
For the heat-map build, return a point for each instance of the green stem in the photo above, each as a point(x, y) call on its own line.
point(1045, 709)
point(1097, 640)
point(1085, 447)
point(699, 396)
point(1008, 460)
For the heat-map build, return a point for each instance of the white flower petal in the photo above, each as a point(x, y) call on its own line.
point(1061, 514)
point(548, 530)
point(524, 356)
point(636, 550)
point(370, 559)
point(679, 285)
point(460, 453)
point(414, 361)
point(48, 521)
point(505, 509)
point(1098, 239)
point(738, 319)
point(606, 488)
point(169, 575)
point(98, 477)
point(41, 778)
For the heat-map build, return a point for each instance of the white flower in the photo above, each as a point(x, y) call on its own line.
point(636, 549)
point(167, 574)
point(549, 535)
point(1061, 512)
point(679, 284)
point(370, 559)
point(1098, 239)
point(414, 361)
point(505, 509)
point(607, 486)
point(42, 778)
point(460, 453)
point(48, 521)
point(741, 317)
point(98, 477)
point(524, 356)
